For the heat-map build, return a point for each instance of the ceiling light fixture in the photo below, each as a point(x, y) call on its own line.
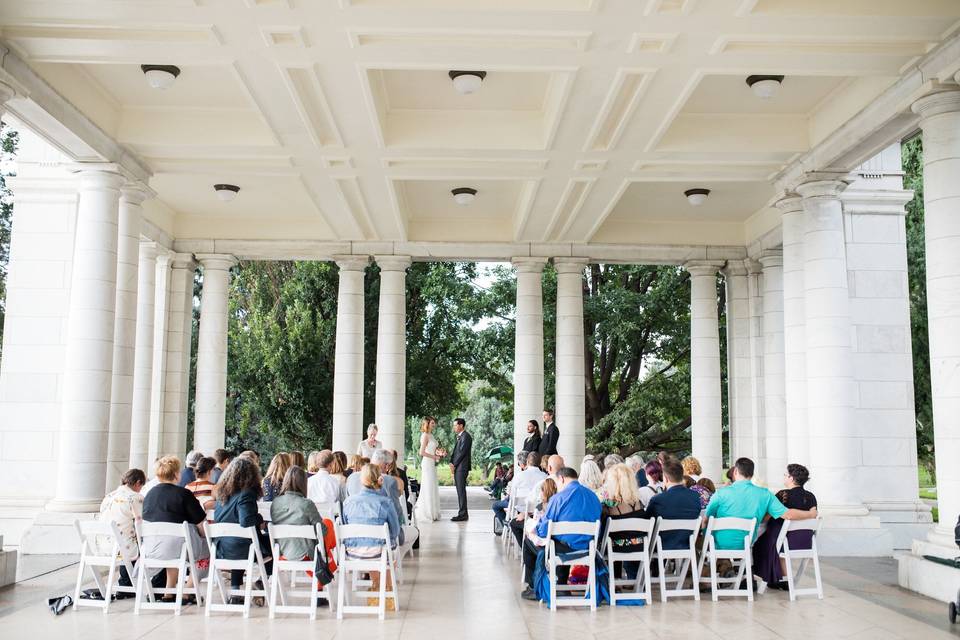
point(463, 196)
point(160, 76)
point(764, 87)
point(696, 197)
point(467, 82)
point(226, 192)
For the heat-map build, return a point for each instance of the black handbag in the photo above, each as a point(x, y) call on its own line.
point(321, 571)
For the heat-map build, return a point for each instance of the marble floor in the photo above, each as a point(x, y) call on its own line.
point(461, 586)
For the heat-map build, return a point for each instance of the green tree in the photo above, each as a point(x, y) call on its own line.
point(8, 149)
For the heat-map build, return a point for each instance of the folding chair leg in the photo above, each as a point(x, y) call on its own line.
point(76, 592)
point(137, 599)
point(274, 586)
point(341, 587)
point(663, 579)
point(713, 577)
point(816, 575)
point(248, 591)
point(107, 592)
point(313, 597)
point(181, 579)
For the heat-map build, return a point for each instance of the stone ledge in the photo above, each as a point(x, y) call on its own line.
point(926, 577)
point(8, 566)
point(52, 532)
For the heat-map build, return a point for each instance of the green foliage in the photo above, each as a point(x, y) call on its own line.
point(8, 149)
point(912, 151)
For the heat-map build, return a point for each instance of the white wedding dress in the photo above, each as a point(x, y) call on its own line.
point(428, 502)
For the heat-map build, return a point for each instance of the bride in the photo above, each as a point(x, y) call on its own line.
point(428, 502)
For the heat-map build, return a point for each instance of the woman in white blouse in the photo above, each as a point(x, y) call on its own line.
point(124, 506)
point(371, 444)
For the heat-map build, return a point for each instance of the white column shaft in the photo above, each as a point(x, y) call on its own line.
point(739, 361)
point(88, 366)
point(705, 394)
point(176, 374)
point(775, 425)
point(755, 443)
point(348, 356)
point(161, 304)
point(211, 399)
point(528, 349)
point(570, 362)
point(143, 357)
point(794, 332)
point(834, 445)
point(391, 380)
point(940, 122)
point(124, 335)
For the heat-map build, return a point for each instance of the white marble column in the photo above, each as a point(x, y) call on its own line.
point(834, 445)
point(176, 372)
point(794, 330)
point(739, 361)
point(705, 395)
point(528, 349)
point(391, 382)
point(570, 361)
point(775, 425)
point(211, 399)
point(161, 305)
point(124, 332)
point(756, 443)
point(143, 357)
point(940, 123)
point(88, 367)
point(348, 358)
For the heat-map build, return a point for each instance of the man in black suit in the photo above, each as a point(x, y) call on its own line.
point(460, 466)
point(551, 435)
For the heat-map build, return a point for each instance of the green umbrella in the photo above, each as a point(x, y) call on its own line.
point(498, 453)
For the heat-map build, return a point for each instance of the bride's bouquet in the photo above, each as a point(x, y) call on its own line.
point(441, 452)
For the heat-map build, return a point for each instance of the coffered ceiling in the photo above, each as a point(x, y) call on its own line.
point(338, 120)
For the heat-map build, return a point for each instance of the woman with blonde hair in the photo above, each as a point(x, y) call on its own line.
point(338, 467)
point(428, 502)
point(356, 462)
point(312, 465)
point(274, 478)
point(622, 500)
point(590, 475)
point(692, 468)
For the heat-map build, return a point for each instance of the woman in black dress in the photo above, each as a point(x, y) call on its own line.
point(766, 561)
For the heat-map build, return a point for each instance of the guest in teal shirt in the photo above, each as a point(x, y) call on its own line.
point(743, 499)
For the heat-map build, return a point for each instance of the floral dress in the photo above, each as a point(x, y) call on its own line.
point(124, 507)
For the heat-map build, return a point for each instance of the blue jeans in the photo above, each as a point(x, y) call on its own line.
point(500, 509)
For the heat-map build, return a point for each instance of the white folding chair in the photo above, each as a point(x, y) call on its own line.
point(329, 510)
point(348, 566)
point(684, 560)
point(789, 554)
point(252, 564)
point(264, 509)
point(644, 527)
point(182, 564)
point(586, 558)
point(741, 557)
point(92, 558)
point(293, 566)
point(505, 540)
point(410, 535)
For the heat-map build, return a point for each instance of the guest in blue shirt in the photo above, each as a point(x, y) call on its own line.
point(370, 506)
point(572, 503)
point(676, 503)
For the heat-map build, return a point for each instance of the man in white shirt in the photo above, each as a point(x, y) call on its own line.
point(321, 486)
point(522, 485)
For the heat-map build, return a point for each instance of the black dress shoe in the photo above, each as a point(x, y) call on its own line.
point(530, 594)
point(458, 519)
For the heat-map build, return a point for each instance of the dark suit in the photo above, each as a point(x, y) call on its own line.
point(460, 459)
point(532, 443)
point(676, 503)
point(548, 444)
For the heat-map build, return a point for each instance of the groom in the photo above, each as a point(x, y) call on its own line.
point(460, 466)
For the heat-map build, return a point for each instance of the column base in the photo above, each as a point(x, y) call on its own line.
point(8, 565)
point(906, 521)
point(853, 535)
point(73, 506)
point(927, 577)
point(52, 532)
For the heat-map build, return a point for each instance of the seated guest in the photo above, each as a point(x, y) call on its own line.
point(548, 489)
point(169, 502)
point(590, 475)
point(767, 564)
point(389, 486)
point(338, 468)
point(322, 486)
point(296, 459)
point(705, 489)
point(312, 465)
point(532, 442)
point(636, 464)
point(370, 505)
point(237, 493)
point(691, 467)
point(202, 487)
point(621, 499)
point(743, 499)
point(253, 456)
point(523, 483)
point(274, 478)
point(573, 503)
point(188, 474)
point(223, 458)
point(357, 462)
point(676, 502)
point(654, 472)
point(499, 476)
point(293, 507)
point(124, 507)
point(399, 471)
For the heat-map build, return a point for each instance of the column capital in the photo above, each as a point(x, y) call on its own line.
point(135, 193)
point(182, 261)
point(735, 268)
point(570, 265)
point(528, 264)
point(703, 267)
point(351, 263)
point(789, 203)
point(148, 249)
point(393, 263)
point(163, 258)
point(98, 175)
point(220, 261)
point(934, 104)
point(754, 267)
point(771, 258)
point(823, 186)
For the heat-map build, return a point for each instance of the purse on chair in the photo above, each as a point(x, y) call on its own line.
point(321, 571)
